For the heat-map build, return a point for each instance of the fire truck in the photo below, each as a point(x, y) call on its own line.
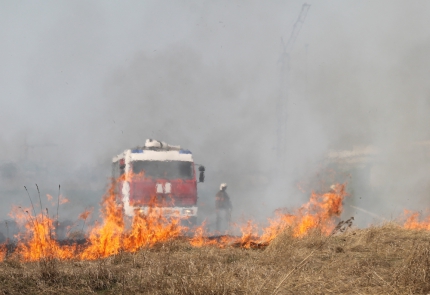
point(158, 175)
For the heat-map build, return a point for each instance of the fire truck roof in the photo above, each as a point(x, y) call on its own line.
point(152, 144)
point(154, 150)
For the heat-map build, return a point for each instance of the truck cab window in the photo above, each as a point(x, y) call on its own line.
point(164, 169)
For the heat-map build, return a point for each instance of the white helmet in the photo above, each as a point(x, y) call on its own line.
point(223, 185)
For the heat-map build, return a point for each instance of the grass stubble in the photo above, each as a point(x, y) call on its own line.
point(384, 259)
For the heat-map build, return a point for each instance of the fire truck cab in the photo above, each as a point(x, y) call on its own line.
point(158, 173)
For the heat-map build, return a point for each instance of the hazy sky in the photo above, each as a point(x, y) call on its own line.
point(80, 81)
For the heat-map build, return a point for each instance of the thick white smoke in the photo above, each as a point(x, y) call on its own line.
point(80, 82)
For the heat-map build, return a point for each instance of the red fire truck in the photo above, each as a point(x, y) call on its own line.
point(158, 172)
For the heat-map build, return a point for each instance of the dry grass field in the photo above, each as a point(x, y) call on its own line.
point(386, 259)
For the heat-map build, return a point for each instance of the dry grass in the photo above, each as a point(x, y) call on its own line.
point(378, 260)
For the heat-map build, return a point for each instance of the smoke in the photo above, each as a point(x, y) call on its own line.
point(80, 82)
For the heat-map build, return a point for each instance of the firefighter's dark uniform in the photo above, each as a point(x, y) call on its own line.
point(222, 205)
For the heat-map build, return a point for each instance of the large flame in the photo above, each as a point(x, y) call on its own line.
point(38, 241)
point(105, 239)
point(320, 212)
point(112, 236)
point(151, 228)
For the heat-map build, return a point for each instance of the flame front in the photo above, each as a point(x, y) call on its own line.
point(116, 233)
point(320, 212)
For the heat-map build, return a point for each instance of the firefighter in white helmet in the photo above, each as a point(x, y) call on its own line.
point(222, 205)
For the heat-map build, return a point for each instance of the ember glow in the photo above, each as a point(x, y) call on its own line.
point(117, 232)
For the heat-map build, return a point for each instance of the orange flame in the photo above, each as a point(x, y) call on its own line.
point(112, 236)
point(413, 220)
point(84, 215)
point(3, 252)
point(200, 239)
point(249, 234)
point(149, 229)
point(320, 212)
point(38, 241)
point(106, 239)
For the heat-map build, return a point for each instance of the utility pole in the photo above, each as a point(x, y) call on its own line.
point(281, 107)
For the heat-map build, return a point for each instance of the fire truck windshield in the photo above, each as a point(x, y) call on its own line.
point(164, 169)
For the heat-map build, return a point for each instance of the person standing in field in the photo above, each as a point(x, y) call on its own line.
point(223, 206)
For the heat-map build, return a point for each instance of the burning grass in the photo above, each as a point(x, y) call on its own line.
point(299, 252)
point(112, 235)
point(387, 259)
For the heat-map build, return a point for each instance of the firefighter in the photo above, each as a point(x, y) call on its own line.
point(222, 205)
